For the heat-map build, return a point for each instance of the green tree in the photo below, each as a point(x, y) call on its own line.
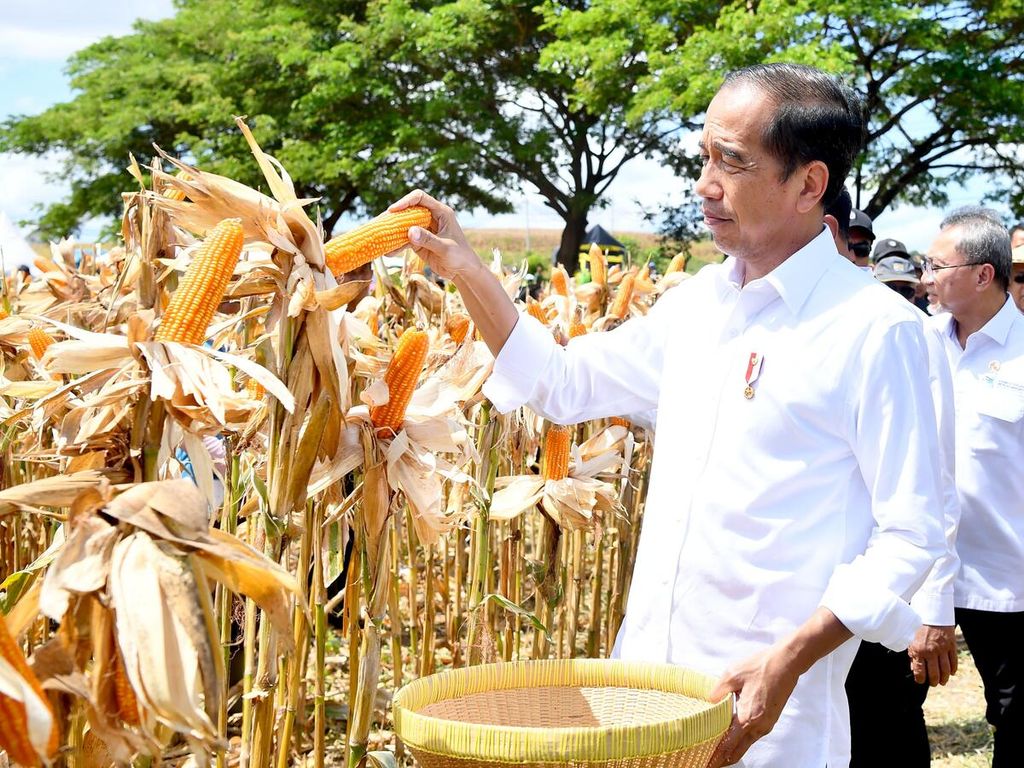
point(542, 93)
point(942, 85)
point(317, 102)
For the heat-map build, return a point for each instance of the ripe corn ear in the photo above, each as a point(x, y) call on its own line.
point(384, 234)
point(202, 288)
point(560, 282)
point(537, 311)
point(598, 265)
point(254, 389)
point(401, 376)
point(127, 704)
point(678, 263)
point(622, 297)
point(173, 193)
point(555, 463)
point(618, 421)
point(457, 327)
point(39, 340)
point(576, 328)
point(14, 726)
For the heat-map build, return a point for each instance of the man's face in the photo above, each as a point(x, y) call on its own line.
point(1017, 285)
point(954, 288)
point(746, 205)
point(1017, 237)
point(860, 246)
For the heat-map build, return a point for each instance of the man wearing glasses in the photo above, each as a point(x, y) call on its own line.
point(969, 267)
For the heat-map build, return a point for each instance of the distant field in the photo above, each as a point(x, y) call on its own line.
point(514, 247)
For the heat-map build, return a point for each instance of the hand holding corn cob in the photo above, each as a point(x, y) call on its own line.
point(447, 252)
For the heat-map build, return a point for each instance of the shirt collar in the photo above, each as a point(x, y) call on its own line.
point(795, 278)
point(998, 328)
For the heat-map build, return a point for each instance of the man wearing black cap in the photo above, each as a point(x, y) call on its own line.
point(862, 235)
point(889, 247)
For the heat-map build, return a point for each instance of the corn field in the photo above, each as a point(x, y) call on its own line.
point(242, 501)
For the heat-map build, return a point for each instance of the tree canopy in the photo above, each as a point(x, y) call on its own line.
point(472, 99)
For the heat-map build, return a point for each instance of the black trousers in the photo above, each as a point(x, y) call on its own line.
point(996, 641)
point(887, 725)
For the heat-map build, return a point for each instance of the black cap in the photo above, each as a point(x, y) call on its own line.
point(861, 220)
point(889, 247)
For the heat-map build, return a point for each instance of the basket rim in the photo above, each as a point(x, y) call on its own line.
point(507, 743)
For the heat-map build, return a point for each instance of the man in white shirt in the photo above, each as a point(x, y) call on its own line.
point(983, 335)
point(795, 492)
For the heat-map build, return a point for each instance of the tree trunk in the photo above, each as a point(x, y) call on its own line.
point(573, 234)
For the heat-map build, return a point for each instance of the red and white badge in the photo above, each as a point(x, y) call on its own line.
point(753, 371)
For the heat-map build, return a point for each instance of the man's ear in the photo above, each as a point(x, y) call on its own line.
point(985, 275)
point(815, 180)
point(832, 224)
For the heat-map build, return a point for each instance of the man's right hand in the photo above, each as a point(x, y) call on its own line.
point(933, 654)
point(445, 250)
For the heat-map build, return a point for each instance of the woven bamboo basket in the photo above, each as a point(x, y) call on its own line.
point(586, 713)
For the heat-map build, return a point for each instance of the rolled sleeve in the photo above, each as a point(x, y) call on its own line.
point(869, 609)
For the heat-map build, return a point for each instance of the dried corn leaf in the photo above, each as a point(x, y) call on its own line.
point(81, 566)
point(57, 491)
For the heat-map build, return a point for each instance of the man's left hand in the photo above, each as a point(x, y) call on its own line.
point(933, 654)
point(762, 684)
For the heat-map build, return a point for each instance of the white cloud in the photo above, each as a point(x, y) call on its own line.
point(25, 185)
point(50, 31)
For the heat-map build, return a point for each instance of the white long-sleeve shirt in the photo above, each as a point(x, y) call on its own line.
point(988, 383)
point(821, 490)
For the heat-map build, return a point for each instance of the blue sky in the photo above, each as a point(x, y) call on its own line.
point(37, 37)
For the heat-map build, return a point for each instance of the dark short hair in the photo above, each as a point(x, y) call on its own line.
point(840, 209)
point(816, 117)
point(983, 239)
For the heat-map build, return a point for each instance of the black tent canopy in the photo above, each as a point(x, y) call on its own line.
point(614, 250)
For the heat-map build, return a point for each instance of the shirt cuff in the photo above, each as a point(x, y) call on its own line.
point(870, 610)
point(519, 365)
point(936, 610)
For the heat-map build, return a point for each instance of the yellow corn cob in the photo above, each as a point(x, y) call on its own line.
point(622, 297)
point(254, 389)
point(44, 264)
point(4, 314)
point(386, 233)
point(401, 375)
point(576, 328)
point(14, 737)
point(555, 464)
point(39, 340)
point(535, 309)
point(127, 704)
point(173, 193)
point(598, 265)
point(559, 282)
point(645, 273)
point(202, 288)
point(678, 263)
point(618, 421)
point(457, 327)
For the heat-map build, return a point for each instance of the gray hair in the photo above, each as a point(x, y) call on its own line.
point(983, 239)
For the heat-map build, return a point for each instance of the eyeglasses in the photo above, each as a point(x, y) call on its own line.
point(860, 250)
point(930, 267)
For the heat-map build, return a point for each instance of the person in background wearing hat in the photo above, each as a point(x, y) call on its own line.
point(889, 247)
point(983, 339)
point(862, 235)
point(898, 273)
point(1017, 277)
